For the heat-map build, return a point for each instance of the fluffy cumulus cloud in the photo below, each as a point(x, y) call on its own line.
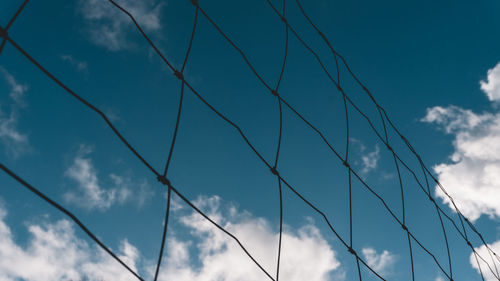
point(306, 255)
point(90, 194)
point(54, 252)
point(109, 27)
point(472, 175)
point(14, 141)
point(380, 262)
point(488, 275)
point(491, 86)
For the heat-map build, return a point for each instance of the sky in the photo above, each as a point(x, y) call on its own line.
point(434, 67)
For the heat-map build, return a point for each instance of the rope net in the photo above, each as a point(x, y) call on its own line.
point(383, 128)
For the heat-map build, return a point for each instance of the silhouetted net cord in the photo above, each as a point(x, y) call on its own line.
point(174, 137)
point(280, 134)
point(273, 169)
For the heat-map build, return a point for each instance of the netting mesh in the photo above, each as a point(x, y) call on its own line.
point(383, 128)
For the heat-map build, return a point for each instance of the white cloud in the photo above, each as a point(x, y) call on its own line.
point(472, 177)
point(454, 119)
point(140, 191)
point(220, 258)
point(81, 66)
point(90, 193)
point(488, 275)
point(108, 26)
point(15, 142)
point(370, 160)
point(382, 263)
point(492, 84)
point(54, 252)
point(17, 90)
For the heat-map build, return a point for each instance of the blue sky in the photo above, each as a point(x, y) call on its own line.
point(432, 66)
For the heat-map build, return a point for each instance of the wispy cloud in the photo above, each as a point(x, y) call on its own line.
point(370, 160)
point(380, 262)
point(367, 160)
point(91, 195)
point(108, 27)
point(15, 142)
point(472, 177)
point(81, 66)
point(17, 90)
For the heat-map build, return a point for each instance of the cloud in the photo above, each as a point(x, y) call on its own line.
point(382, 263)
point(90, 193)
point(15, 142)
point(488, 275)
point(370, 160)
point(140, 191)
point(220, 258)
point(108, 27)
point(17, 90)
point(53, 252)
point(492, 84)
point(81, 66)
point(454, 119)
point(472, 176)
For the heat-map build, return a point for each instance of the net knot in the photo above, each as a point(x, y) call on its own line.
point(340, 88)
point(469, 243)
point(389, 147)
point(351, 250)
point(178, 74)
point(164, 180)
point(275, 93)
point(3, 32)
point(194, 2)
point(274, 171)
point(346, 164)
point(431, 199)
point(404, 227)
point(283, 19)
